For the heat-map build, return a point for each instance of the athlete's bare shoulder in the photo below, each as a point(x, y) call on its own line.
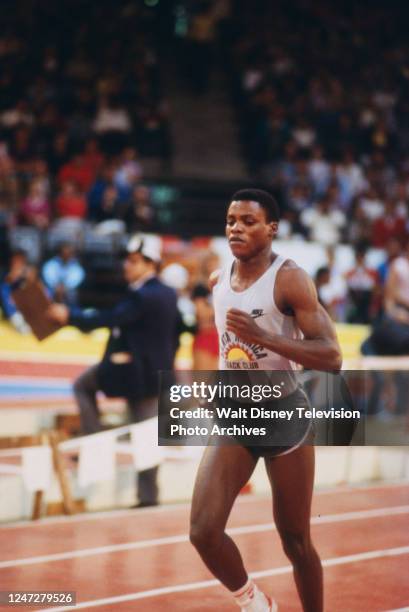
point(289, 264)
point(293, 287)
point(213, 279)
point(292, 272)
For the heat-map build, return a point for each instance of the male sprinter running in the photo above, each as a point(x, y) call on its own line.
point(292, 328)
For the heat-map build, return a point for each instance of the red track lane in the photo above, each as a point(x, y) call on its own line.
point(373, 585)
point(121, 572)
point(60, 405)
point(54, 537)
point(370, 586)
point(41, 369)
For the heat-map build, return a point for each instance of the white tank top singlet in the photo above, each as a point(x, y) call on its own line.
point(258, 301)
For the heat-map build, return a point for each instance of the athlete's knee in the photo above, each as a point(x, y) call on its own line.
point(297, 545)
point(205, 535)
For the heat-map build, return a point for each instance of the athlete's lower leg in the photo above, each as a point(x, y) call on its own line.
point(292, 478)
point(222, 473)
point(307, 569)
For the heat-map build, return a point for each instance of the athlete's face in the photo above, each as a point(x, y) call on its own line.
point(247, 229)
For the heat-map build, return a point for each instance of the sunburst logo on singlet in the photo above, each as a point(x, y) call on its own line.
point(239, 354)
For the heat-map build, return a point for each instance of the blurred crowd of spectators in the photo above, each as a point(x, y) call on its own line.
point(321, 91)
point(79, 107)
point(86, 187)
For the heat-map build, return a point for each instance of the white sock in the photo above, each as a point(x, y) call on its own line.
point(250, 599)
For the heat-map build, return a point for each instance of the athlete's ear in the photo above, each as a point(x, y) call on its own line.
point(273, 228)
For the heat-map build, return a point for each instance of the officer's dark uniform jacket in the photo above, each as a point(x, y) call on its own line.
point(143, 340)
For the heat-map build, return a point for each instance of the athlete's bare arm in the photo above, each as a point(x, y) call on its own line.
point(295, 293)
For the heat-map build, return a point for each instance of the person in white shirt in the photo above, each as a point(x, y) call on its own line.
point(324, 223)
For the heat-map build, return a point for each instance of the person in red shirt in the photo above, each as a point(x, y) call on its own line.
point(70, 202)
point(35, 208)
point(206, 341)
point(78, 170)
point(93, 158)
point(389, 225)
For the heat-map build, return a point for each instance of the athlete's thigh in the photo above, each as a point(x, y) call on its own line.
point(223, 471)
point(292, 481)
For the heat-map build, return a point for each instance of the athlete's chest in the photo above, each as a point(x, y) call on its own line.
point(255, 302)
point(257, 299)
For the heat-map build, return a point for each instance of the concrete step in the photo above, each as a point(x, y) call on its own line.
point(204, 129)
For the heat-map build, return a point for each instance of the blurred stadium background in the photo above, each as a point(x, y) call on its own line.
point(125, 116)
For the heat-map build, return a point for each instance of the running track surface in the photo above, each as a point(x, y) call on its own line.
point(142, 560)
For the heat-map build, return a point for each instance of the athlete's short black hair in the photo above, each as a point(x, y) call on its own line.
point(263, 198)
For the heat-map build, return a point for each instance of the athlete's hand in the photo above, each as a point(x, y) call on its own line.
point(244, 326)
point(58, 313)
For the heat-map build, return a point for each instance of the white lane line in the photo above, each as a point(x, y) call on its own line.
point(245, 499)
point(405, 609)
point(191, 586)
point(177, 539)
